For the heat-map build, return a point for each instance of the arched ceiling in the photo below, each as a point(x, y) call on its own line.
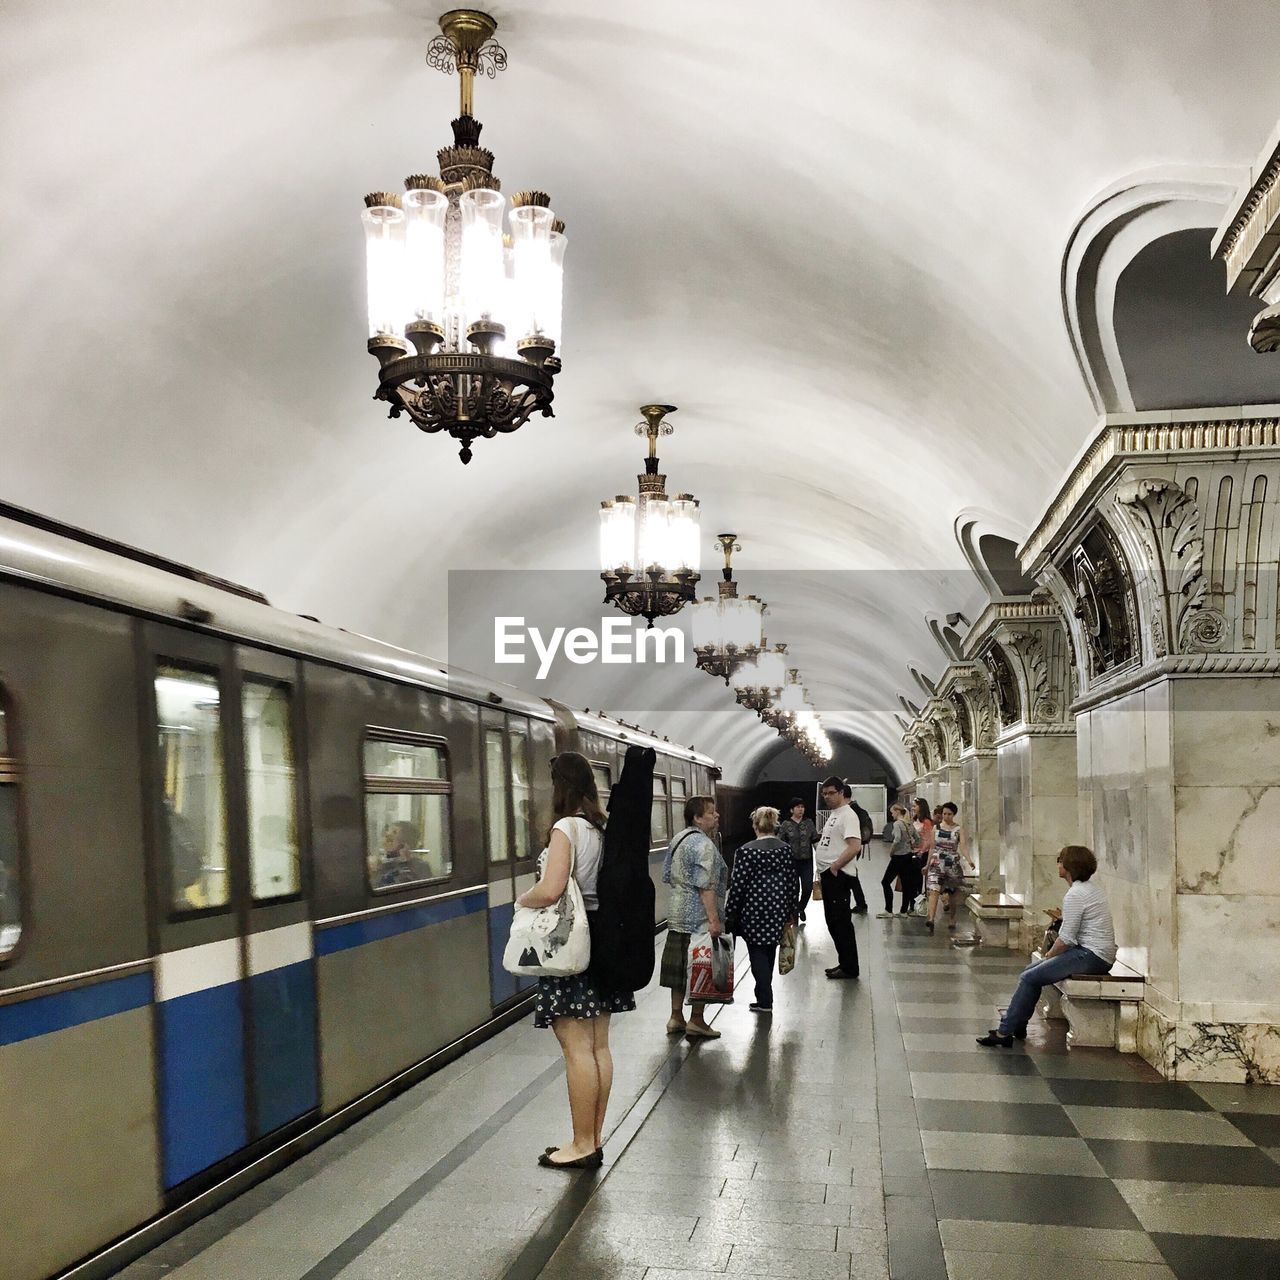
point(833, 238)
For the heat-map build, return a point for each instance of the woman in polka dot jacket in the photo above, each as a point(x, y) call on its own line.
point(764, 895)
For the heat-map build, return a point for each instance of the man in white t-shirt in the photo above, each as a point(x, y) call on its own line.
point(833, 857)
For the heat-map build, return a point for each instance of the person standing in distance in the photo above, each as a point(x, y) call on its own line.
point(866, 829)
point(839, 846)
point(800, 835)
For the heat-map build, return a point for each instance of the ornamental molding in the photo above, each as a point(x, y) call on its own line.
point(1020, 731)
point(1169, 525)
point(1035, 608)
point(1217, 666)
point(1199, 434)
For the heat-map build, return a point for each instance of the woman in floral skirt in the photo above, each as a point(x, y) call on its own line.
point(577, 1009)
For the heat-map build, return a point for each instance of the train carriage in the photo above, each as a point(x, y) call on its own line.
point(255, 874)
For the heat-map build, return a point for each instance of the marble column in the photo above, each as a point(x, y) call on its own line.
point(1161, 550)
point(1020, 645)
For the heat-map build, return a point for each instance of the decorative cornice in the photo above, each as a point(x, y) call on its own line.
point(1240, 240)
point(1002, 612)
point(1222, 666)
point(1121, 439)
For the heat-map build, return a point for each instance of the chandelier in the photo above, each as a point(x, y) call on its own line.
point(649, 545)
point(758, 681)
point(727, 631)
point(480, 309)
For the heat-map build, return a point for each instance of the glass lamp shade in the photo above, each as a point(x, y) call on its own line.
point(745, 677)
point(771, 670)
point(532, 283)
point(484, 282)
point(384, 244)
point(742, 623)
point(618, 535)
point(686, 534)
point(792, 698)
point(705, 624)
point(656, 542)
point(555, 290)
point(424, 213)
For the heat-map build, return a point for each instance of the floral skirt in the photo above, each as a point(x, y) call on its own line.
point(577, 997)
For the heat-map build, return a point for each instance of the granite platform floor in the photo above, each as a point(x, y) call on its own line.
point(858, 1133)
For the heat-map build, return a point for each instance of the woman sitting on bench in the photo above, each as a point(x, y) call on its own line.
point(1086, 945)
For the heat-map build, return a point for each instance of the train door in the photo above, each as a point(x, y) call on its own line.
point(512, 858)
point(235, 1002)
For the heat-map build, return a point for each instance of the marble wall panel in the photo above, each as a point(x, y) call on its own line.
point(1229, 951)
point(1052, 765)
point(1226, 732)
point(1156, 1036)
point(1015, 816)
point(1226, 1053)
point(1226, 840)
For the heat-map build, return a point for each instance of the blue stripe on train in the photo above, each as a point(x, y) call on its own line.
point(44, 1014)
point(356, 933)
point(202, 1108)
point(502, 985)
point(284, 1035)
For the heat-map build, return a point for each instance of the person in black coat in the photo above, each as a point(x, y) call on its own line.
point(764, 895)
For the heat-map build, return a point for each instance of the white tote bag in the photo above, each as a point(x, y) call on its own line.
point(554, 941)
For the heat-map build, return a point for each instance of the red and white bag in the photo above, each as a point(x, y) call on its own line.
point(711, 968)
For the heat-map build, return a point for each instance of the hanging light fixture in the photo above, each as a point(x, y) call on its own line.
point(728, 630)
point(650, 545)
point(481, 310)
point(758, 682)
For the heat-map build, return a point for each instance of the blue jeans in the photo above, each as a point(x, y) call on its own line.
point(1036, 977)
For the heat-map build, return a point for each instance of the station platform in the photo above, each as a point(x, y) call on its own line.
point(858, 1133)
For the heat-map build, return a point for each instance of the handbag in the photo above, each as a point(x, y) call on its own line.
point(787, 948)
point(816, 895)
point(710, 968)
point(554, 941)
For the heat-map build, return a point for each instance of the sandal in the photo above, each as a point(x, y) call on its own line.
point(676, 1027)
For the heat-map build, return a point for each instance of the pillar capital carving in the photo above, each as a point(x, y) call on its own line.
point(1161, 549)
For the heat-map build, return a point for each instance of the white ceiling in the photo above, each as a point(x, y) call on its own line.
point(831, 235)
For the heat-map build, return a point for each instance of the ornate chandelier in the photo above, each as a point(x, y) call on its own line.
point(727, 631)
point(757, 682)
point(482, 311)
point(650, 544)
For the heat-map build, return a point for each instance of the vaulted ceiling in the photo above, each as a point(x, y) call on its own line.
point(833, 236)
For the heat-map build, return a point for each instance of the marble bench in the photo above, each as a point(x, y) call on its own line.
point(1101, 1010)
point(993, 914)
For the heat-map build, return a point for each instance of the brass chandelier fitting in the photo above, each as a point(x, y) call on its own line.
point(650, 545)
point(728, 630)
point(481, 310)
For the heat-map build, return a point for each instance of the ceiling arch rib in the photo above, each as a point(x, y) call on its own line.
point(1116, 226)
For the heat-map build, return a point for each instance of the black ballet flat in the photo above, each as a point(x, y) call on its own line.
point(593, 1161)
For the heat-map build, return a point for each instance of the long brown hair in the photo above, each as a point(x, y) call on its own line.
point(573, 789)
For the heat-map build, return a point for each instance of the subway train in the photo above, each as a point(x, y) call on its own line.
point(256, 875)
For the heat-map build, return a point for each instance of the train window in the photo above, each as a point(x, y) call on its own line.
point(10, 902)
point(604, 784)
point(679, 794)
point(661, 824)
point(521, 792)
point(407, 818)
point(497, 799)
point(272, 782)
point(193, 795)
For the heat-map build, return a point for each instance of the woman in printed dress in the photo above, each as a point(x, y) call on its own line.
point(577, 1008)
point(764, 895)
point(944, 874)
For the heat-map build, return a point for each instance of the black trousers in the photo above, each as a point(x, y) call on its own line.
point(804, 869)
point(837, 892)
point(762, 959)
point(904, 865)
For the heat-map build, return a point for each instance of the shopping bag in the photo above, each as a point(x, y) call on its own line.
point(816, 895)
point(711, 968)
point(787, 948)
point(554, 941)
